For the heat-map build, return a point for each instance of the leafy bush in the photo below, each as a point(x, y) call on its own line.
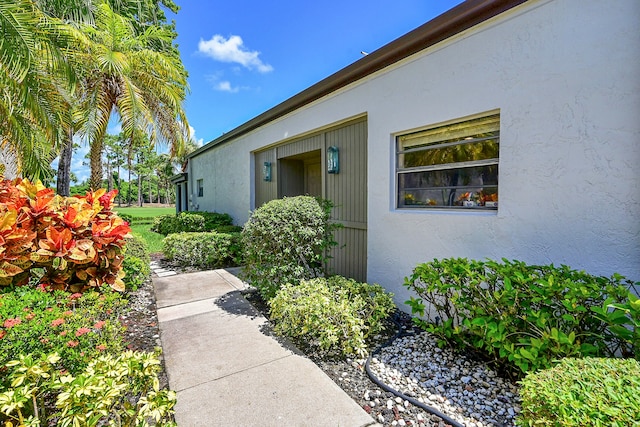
point(126, 217)
point(213, 221)
point(136, 264)
point(191, 222)
point(582, 392)
point(74, 243)
point(286, 241)
point(335, 315)
point(122, 390)
point(228, 229)
point(523, 316)
point(203, 250)
point(76, 326)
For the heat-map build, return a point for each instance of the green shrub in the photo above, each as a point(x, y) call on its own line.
point(213, 221)
point(334, 315)
point(75, 243)
point(118, 390)
point(203, 250)
point(77, 327)
point(126, 217)
point(286, 241)
point(523, 316)
point(136, 264)
point(228, 229)
point(583, 392)
point(191, 222)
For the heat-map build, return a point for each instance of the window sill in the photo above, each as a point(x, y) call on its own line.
point(448, 211)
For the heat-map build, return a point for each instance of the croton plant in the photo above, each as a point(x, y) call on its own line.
point(70, 243)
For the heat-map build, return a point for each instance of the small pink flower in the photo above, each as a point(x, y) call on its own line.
point(99, 324)
point(44, 340)
point(63, 333)
point(101, 347)
point(30, 316)
point(9, 323)
point(72, 343)
point(26, 309)
point(82, 331)
point(57, 322)
point(67, 313)
point(75, 296)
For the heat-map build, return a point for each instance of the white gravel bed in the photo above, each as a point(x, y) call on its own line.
point(460, 388)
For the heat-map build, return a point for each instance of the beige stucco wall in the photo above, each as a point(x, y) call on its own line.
point(565, 75)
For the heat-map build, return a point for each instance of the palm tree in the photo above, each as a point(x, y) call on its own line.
point(81, 12)
point(34, 77)
point(144, 87)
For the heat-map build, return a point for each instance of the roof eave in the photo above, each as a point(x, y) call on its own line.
point(442, 27)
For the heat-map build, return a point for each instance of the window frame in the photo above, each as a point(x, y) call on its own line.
point(469, 200)
point(200, 187)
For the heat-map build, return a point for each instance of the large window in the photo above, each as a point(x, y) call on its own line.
point(450, 166)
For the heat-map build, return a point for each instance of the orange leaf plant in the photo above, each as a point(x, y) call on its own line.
point(77, 241)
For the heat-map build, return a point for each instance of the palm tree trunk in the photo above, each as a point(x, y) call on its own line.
point(63, 184)
point(109, 176)
point(95, 160)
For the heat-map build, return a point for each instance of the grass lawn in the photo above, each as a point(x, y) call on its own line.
point(144, 212)
point(151, 239)
point(142, 230)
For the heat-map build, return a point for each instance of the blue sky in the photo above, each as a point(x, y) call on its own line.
point(244, 57)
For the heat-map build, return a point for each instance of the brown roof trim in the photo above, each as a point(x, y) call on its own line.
point(450, 23)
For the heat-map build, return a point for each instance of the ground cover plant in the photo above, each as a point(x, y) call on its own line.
point(522, 316)
point(76, 326)
point(103, 392)
point(286, 241)
point(203, 250)
point(583, 392)
point(335, 316)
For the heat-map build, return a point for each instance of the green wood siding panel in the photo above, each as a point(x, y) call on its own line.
point(265, 190)
point(300, 146)
point(348, 192)
point(347, 189)
point(349, 257)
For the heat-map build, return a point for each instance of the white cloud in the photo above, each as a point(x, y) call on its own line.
point(233, 50)
point(225, 86)
point(192, 132)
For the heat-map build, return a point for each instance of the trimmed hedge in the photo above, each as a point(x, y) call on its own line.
point(191, 222)
point(583, 392)
point(203, 250)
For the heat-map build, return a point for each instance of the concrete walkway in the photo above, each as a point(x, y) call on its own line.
point(227, 372)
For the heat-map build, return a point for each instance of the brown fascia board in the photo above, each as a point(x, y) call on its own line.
point(450, 23)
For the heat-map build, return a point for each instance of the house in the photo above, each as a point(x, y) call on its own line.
point(502, 128)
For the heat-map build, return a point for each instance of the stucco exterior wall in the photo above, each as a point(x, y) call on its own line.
point(565, 76)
